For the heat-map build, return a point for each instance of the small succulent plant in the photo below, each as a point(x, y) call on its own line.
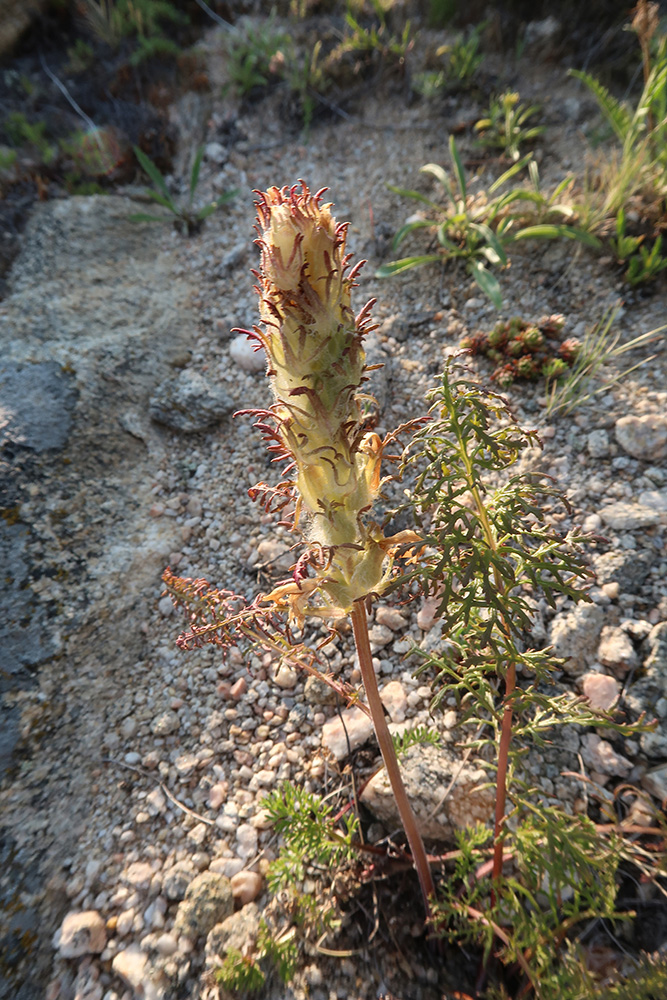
point(523, 350)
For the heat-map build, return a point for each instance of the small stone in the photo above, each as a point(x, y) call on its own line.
point(352, 725)
point(246, 837)
point(139, 874)
point(427, 615)
point(380, 636)
point(238, 932)
point(208, 900)
point(124, 922)
point(166, 944)
point(165, 724)
point(601, 690)
point(643, 437)
point(130, 965)
point(185, 764)
point(246, 886)
point(227, 866)
point(575, 635)
point(247, 354)
point(81, 933)
point(128, 727)
point(628, 569)
point(317, 692)
point(616, 650)
point(175, 880)
point(440, 807)
point(600, 755)
point(156, 801)
point(165, 606)
point(274, 555)
point(189, 402)
point(625, 515)
point(394, 700)
point(285, 676)
point(216, 153)
point(198, 833)
point(238, 688)
point(655, 782)
point(217, 794)
point(391, 618)
point(598, 444)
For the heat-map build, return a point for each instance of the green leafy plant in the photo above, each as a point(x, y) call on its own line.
point(639, 168)
point(8, 158)
point(488, 551)
point(256, 54)
point(113, 20)
point(376, 38)
point(419, 736)
point(462, 61)
point(238, 972)
point(80, 57)
point(312, 836)
point(645, 265)
point(503, 126)
point(185, 216)
point(479, 228)
point(600, 347)
point(20, 132)
point(306, 79)
point(624, 246)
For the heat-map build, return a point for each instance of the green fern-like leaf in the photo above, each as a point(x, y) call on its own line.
point(616, 113)
point(239, 973)
point(419, 736)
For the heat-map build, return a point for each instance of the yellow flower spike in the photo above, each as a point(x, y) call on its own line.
point(316, 362)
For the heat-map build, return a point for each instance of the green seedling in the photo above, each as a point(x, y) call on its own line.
point(22, 133)
point(503, 127)
point(646, 265)
point(185, 216)
point(480, 228)
point(256, 55)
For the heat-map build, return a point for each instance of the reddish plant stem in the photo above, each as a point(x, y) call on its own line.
point(419, 858)
point(501, 777)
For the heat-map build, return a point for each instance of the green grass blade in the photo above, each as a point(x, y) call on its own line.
point(415, 195)
point(510, 172)
point(458, 166)
point(440, 175)
point(406, 264)
point(152, 171)
point(409, 227)
point(194, 174)
point(490, 237)
point(550, 231)
point(487, 282)
point(161, 200)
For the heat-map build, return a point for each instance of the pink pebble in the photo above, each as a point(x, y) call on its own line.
point(601, 690)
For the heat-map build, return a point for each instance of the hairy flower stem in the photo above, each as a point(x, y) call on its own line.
point(360, 628)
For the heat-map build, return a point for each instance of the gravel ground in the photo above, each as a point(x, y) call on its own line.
point(139, 770)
